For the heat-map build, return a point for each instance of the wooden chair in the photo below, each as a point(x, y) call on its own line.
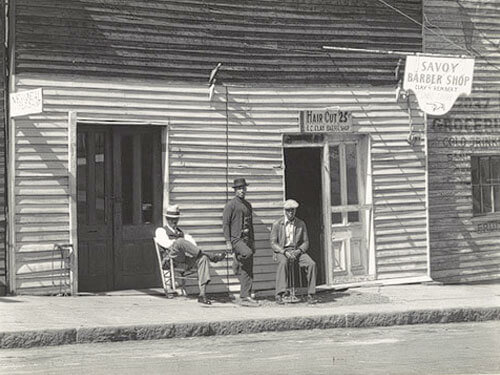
point(171, 276)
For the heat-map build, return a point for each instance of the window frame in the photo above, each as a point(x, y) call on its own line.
point(475, 162)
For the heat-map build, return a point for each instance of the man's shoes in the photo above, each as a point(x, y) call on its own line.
point(216, 257)
point(204, 300)
point(311, 300)
point(279, 299)
point(249, 301)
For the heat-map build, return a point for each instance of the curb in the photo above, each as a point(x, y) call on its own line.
point(29, 339)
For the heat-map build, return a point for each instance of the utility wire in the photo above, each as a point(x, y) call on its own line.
point(441, 35)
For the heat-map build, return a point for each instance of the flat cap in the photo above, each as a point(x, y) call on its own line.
point(290, 203)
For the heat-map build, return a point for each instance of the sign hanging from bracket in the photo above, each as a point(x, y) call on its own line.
point(437, 82)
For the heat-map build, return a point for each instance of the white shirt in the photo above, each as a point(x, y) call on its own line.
point(165, 242)
point(289, 232)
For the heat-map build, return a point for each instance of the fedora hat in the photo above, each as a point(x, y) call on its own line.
point(239, 182)
point(172, 211)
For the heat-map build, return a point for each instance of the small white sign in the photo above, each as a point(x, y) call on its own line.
point(26, 102)
point(438, 81)
point(329, 120)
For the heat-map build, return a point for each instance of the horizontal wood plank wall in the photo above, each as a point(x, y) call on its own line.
point(462, 250)
point(3, 174)
point(198, 173)
point(259, 41)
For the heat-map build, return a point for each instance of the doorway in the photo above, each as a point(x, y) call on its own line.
point(303, 183)
point(328, 175)
point(119, 203)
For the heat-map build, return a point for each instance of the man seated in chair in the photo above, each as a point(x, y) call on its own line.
point(184, 251)
point(290, 242)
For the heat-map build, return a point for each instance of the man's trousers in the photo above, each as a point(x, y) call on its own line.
point(243, 267)
point(183, 251)
point(305, 261)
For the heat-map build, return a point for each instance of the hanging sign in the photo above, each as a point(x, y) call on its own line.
point(438, 81)
point(329, 120)
point(26, 102)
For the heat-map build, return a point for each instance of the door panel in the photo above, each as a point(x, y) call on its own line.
point(348, 254)
point(138, 193)
point(95, 262)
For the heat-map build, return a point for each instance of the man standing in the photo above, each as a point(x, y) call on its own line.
point(290, 242)
point(238, 231)
point(184, 251)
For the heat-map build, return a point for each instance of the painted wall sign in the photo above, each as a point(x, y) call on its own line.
point(329, 120)
point(438, 81)
point(26, 102)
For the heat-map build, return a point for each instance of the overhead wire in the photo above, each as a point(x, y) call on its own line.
point(440, 35)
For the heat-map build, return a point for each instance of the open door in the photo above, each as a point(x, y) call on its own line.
point(347, 214)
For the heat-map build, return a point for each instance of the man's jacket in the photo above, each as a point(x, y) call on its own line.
point(278, 236)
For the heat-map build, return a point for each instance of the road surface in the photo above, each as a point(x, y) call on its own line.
point(460, 348)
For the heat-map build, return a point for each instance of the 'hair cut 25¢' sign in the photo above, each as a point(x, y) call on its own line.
point(438, 81)
point(329, 120)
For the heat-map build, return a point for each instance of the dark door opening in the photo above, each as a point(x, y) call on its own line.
point(119, 195)
point(303, 183)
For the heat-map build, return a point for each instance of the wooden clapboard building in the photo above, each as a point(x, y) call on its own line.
point(3, 169)
point(128, 126)
point(464, 147)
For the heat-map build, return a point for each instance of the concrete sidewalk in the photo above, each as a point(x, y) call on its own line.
point(28, 321)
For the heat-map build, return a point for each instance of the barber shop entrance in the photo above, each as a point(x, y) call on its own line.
point(327, 175)
point(119, 194)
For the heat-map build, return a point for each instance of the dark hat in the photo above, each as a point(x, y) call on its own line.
point(239, 182)
point(172, 211)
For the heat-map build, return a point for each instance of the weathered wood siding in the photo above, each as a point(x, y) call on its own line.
point(165, 50)
point(208, 147)
point(464, 248)
point(260, 41)
point(3, 175)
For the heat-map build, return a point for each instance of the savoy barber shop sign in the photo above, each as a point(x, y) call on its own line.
point(329, 120)
point(438, 81)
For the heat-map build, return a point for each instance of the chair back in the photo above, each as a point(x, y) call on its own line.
point(160, 262)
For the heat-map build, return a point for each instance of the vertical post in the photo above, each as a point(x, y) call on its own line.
point(327, 245)
point(72, 187)
point(11, 155)
point(165, 169)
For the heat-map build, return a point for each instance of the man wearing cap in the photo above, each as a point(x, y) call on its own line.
point(290, 242)
point(184, 251)
point(238, 231)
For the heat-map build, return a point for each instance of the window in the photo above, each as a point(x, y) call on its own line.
point(344, 183)
point(485, 184)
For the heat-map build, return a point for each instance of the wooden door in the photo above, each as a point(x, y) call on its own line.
point(137, 205)
point(94, 209)
point(346, 213)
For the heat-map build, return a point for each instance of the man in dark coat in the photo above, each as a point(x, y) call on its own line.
point(237, 224)
point(290, 242)
point(182, 249)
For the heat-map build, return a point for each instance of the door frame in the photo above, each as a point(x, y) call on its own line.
point(364, 172)
point(73, 122)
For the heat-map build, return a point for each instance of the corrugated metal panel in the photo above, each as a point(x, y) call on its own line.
point(258, 41)
point(460, 250)
point(3, 174)
point(199, 153)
